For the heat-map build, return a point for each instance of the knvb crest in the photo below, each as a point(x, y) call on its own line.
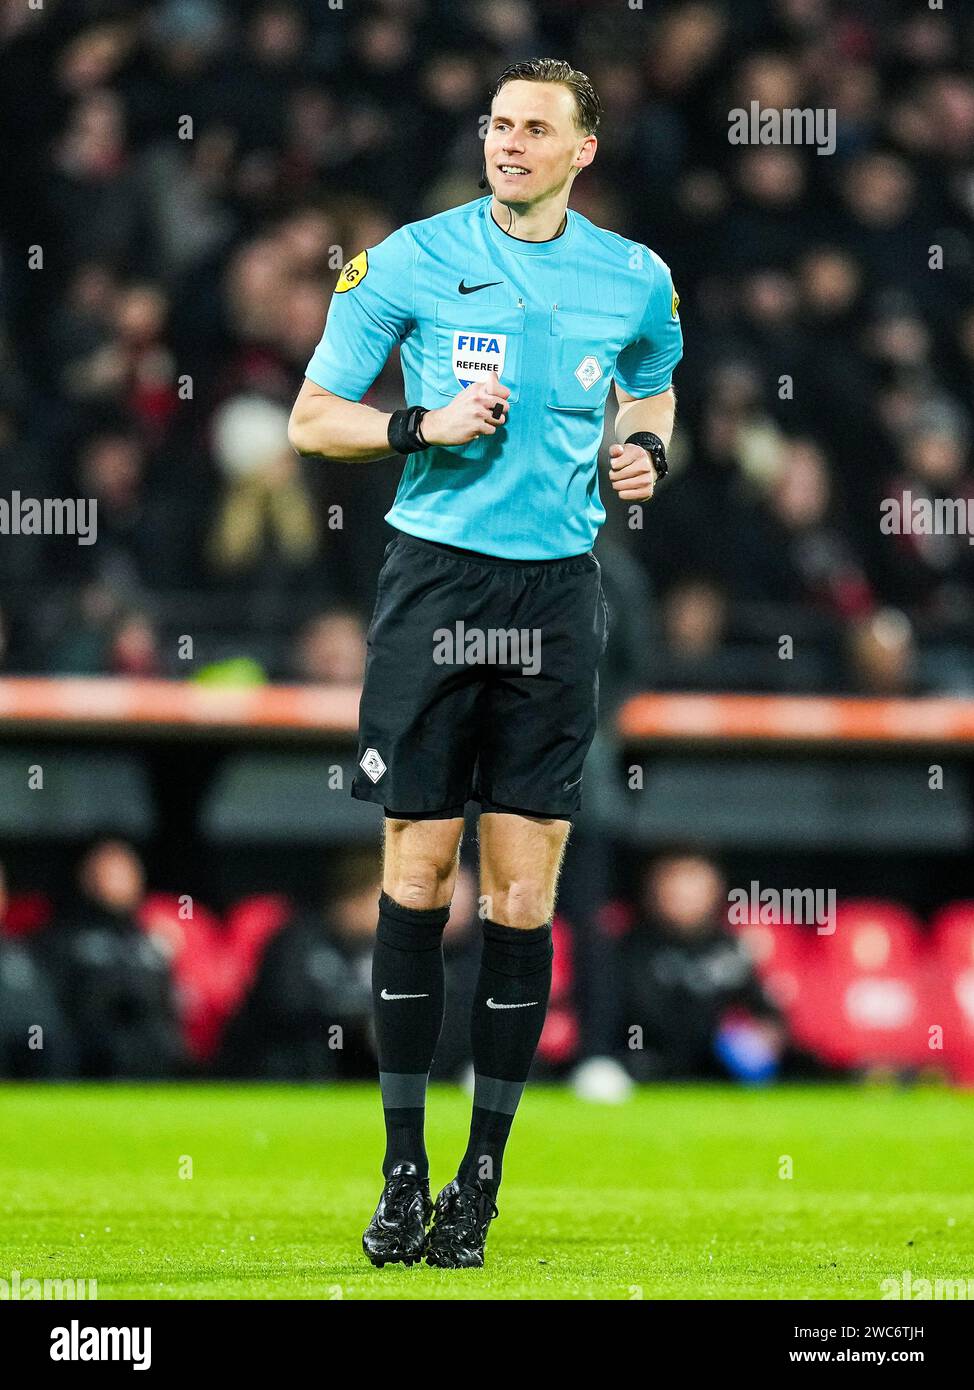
point(475, 355)
point(588, 371)
point(372, 764)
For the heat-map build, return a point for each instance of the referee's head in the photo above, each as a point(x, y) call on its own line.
point(543, 119)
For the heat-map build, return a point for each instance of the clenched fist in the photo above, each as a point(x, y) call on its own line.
point(631, 472)
point(480, 408)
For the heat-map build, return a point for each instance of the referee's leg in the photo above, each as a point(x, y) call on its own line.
point(539, 723)
point(520, 860)
point(419, 873)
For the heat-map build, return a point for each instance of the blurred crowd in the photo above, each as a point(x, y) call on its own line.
point(113, 980)
point(181, 181)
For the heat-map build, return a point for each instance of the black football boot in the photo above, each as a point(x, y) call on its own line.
point(460, 1221)
point(397, 1232)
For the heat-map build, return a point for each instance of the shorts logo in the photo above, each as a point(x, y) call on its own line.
point(372, 764)
point(588, 371)
point(353, 273)
point(476, 354)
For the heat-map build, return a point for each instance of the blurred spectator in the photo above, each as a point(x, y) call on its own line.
point(695, 655)
point(93, 185)
point(144, 538)
point(35, 1041)
point(933, 564)
point(331, 649)
point(308, 1014)
point(766, 227)
point(266, 528)
point(82, 647)
point(700, 651)
point(149, 372)
point(134, 649)
point(882, 221)
point(883, 656)
point(806, 556)
point(111, 979)
point(691, 1003)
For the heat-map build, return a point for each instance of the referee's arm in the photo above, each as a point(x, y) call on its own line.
point(631, 470)
point(653, 413)
point(323, 423)
point(330, 425)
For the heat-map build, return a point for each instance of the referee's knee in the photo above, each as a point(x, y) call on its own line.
point(421, 861)
point(524, 903)
point(423, 882)
point(419, 890)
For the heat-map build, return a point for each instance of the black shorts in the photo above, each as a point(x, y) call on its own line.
point(481, 682)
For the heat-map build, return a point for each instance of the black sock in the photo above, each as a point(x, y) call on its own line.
point(508, 1016)
point(408, 961)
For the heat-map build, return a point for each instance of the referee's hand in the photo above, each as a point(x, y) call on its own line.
point(631, 472)
point(468, 415)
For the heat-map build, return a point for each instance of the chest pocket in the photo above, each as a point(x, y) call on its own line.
point(584, 348)
point(474, 342)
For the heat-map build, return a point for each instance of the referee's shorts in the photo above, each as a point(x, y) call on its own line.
point(481, 682)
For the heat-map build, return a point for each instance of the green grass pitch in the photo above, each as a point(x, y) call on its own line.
point(682, 1193)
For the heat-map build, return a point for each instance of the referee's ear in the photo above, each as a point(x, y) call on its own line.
point(595, 146)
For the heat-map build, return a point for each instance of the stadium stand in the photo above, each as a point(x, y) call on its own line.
point(150, 364)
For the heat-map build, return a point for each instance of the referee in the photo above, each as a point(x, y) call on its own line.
point(513, 314)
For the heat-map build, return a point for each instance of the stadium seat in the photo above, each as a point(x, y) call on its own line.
point(952, 932)
point(200, 965)
point(559, 1038)
point(26, 913)
point(779, 952)
point(952, 969)
point(250, 924)
point(868, 989)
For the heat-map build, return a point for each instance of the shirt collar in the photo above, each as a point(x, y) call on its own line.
point(517, 245)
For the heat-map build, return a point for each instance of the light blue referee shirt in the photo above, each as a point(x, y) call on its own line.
point(556, 320)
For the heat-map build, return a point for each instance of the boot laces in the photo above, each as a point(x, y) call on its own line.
point(468, 1208)
point(399, 1195)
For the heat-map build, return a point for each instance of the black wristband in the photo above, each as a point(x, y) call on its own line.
point(654, 447)
point(404, 433)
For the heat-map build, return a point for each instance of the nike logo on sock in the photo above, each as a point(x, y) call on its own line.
point(529, 1005)
point(386, 995)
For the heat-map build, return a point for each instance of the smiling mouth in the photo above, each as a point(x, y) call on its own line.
point(513, 171)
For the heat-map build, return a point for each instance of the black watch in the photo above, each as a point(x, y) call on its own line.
point(405, 434)
point(654, 447)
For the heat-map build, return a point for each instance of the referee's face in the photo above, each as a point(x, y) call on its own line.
point(532, 128)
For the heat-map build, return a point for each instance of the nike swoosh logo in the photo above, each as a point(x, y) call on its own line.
point(472, 289)
point(530, 1005)
point(567, 786)
point(386, 995)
